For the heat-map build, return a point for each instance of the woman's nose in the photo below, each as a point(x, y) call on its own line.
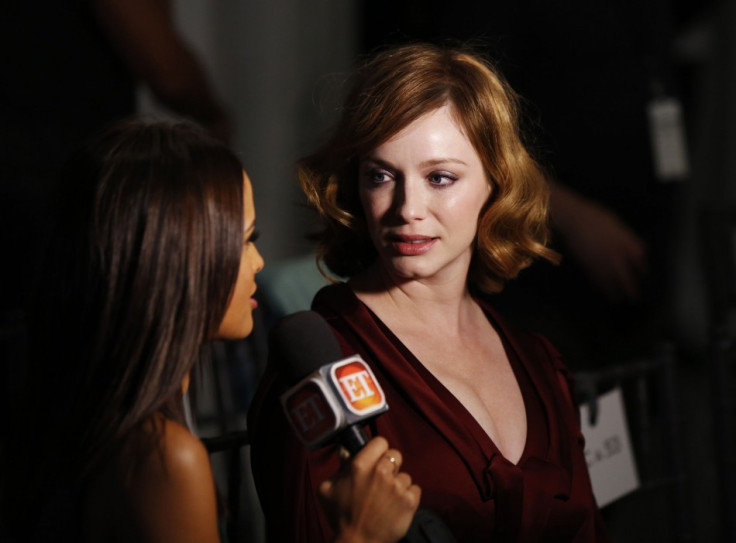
point(259, 263)
point(409, 200)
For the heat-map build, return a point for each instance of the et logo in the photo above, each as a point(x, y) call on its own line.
point(357, 386)
point(335, 396)
point(310, 413)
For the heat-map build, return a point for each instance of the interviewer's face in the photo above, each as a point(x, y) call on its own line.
point(238, 320)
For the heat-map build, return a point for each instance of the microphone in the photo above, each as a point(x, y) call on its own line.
point(337, 395)
point(333, 397)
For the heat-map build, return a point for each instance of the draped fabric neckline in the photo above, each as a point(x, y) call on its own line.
point(444, 410)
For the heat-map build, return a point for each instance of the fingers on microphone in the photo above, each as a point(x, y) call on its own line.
point(410, 494)
point(413, 496)
point(375, 448)
point(390, 462)
point(365, 460)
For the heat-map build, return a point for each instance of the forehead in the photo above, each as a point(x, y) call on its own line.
point(438, 128)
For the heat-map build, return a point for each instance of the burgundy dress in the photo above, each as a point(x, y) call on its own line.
point(464, 478)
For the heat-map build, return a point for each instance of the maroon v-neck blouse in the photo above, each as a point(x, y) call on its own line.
point(481, 496)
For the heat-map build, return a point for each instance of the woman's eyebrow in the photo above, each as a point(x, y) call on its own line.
point(424, 164)
point(448, 160)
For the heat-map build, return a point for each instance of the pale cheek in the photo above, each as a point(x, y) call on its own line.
point(374, 207)
point(469, 204)
point(462, 206)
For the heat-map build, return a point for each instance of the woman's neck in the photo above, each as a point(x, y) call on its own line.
point(425, 303)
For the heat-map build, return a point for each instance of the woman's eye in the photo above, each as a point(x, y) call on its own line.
point(253, 237)
point(441, 179)
point(377, 176)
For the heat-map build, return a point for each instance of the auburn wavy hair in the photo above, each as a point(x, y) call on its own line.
point(391, 90)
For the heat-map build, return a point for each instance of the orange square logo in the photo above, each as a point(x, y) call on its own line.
point(358, 387)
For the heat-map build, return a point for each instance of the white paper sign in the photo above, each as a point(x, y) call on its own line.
point(667, 134)
point(608, 449)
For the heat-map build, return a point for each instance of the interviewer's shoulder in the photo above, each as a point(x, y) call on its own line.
point(181, 448)
point(180, 458)
point(163, 493)
point(174, 489)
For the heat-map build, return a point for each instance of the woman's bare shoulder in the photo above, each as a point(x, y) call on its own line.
point(170, 494)
point(180, 455)
point(175, 490)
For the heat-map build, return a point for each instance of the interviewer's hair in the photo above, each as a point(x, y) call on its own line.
point(140, 268)
point(390, 91)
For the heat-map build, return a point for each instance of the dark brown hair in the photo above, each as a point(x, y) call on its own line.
point(390, 91)
point(137, 277)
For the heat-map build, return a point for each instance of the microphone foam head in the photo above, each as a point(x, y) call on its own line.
point(302, 342)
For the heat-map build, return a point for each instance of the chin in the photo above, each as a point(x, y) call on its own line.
point(409, 272)
point(244, 333)
point(236, 333)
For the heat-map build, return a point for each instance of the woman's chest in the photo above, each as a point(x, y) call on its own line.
point(480, 377)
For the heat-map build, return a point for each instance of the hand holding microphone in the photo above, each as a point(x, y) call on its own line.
point(370, 499)
point(331, 401)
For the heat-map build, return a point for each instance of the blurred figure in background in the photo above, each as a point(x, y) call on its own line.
point(69, 68)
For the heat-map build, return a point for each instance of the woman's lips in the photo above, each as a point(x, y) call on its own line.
point(411, 245)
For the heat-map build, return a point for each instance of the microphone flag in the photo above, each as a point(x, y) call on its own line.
point(332, 398)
